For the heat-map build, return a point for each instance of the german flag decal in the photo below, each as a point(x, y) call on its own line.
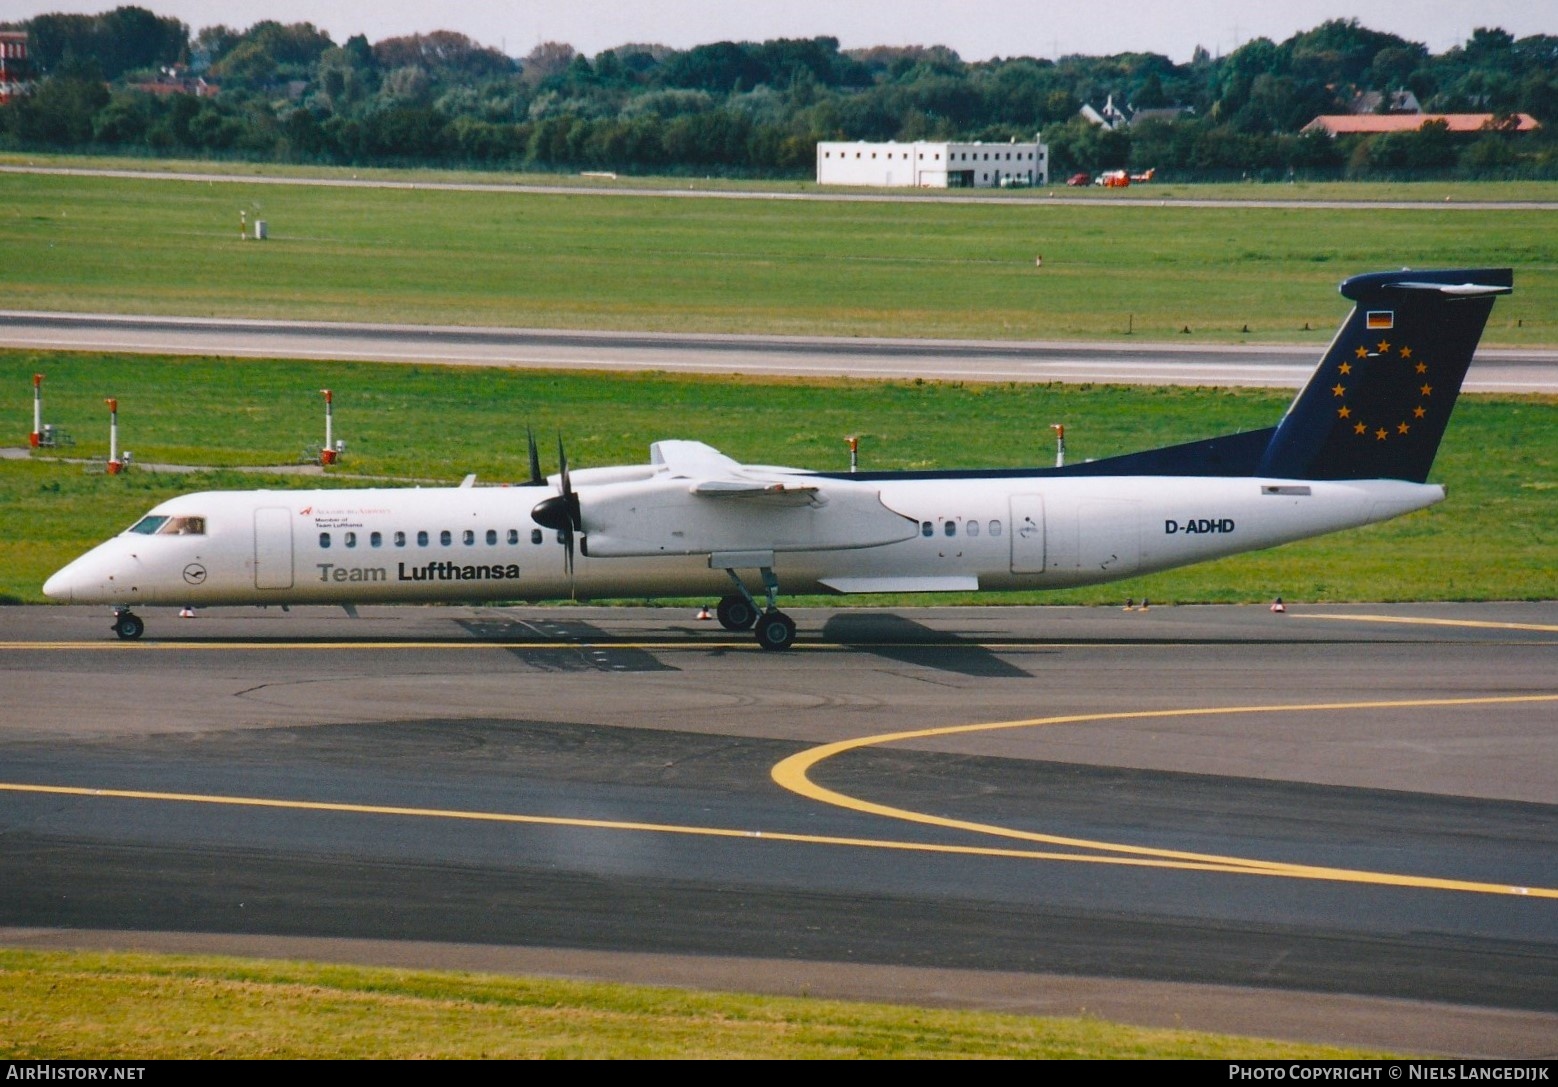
point(1382, 318)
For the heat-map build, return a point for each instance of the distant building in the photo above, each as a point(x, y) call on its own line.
point(176, 80)
point(933, 165)
point(15, 72)
point(1348, 124)
point(1402, 101)
point(1112, 116)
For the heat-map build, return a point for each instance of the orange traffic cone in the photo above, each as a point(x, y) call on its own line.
point(703, 613)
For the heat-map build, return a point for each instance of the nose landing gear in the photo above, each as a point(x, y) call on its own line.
point(128, 625)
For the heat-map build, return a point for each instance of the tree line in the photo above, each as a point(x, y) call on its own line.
point(130, 81)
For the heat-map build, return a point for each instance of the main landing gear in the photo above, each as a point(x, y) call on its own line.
point(738, 611)
point(128, 625)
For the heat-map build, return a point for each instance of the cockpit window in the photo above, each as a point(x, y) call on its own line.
point(147, 526)
point(183, 526)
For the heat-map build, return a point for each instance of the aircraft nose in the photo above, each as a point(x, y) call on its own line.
point(60, 586)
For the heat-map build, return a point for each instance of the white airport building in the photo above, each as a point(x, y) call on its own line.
point(930, 165)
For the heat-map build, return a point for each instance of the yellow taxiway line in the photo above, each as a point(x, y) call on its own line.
point(1423, 620)
point(793, 774)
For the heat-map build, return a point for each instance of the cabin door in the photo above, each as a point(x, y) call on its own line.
point(273, 548)
point(1027, 534)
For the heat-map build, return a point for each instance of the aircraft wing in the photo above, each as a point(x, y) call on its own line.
point(699, 501)
point(714, 475)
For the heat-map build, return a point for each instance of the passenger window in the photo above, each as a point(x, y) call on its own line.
point(445, 538)
point(468, 537)
point(324, 539)
point(535, 535)
point(995, 528)
point(492, 537)
point(950, 528)
point(400, 539)
point(513, 535)
point(927, 529)
point(351, 539)
point(973, 528)
point(422, 539)
point(375, 539)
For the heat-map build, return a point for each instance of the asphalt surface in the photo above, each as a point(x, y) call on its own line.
point(1335, 824)
point(1281, 366)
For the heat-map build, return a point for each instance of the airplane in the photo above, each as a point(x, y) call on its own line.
point(1354, 447)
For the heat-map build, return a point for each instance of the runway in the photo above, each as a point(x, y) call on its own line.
point(1279, 366)
point(1334, 824)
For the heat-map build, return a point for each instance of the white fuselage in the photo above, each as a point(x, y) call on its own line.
point(474, 544)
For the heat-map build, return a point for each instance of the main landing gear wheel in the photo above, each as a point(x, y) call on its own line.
point(775, 630)
point(128, 625)
point(736, 613)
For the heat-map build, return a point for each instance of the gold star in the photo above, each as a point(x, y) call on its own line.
point(1426, 390)
point(1384, 345)
point(1338, 390)
point(1418, 412)
point(1422, 367)
point(1343, 412)
point(1360, 429)
point(1406, 352)
point(1402, 428)
point(1362, 352)
point(1380, 434)
point(1346, 368)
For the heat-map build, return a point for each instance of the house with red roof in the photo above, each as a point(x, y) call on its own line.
point(1370, 124)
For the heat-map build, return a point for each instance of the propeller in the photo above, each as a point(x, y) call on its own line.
point(536, 479)
point(561, 511)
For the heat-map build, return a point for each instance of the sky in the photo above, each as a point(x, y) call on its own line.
point(976, 29)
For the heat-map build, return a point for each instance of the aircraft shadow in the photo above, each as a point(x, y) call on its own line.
point(579, 646)
point(896, 638)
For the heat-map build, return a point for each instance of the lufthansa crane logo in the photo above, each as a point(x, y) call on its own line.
point(195, 574)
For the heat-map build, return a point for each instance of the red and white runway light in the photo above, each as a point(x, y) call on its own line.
point(114, 463)
point(37, 411)
point(327, 453)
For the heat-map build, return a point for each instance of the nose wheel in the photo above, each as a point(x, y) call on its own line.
point(128, 625)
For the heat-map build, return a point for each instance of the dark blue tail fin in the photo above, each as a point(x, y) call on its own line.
point(1377, 406)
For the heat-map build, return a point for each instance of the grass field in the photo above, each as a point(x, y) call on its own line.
point(916, 268)
point(144, 1007)
point(1494, 539)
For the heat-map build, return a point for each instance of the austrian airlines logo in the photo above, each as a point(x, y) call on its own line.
point(1384, 390)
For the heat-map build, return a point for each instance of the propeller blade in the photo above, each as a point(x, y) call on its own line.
point(535, 459)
